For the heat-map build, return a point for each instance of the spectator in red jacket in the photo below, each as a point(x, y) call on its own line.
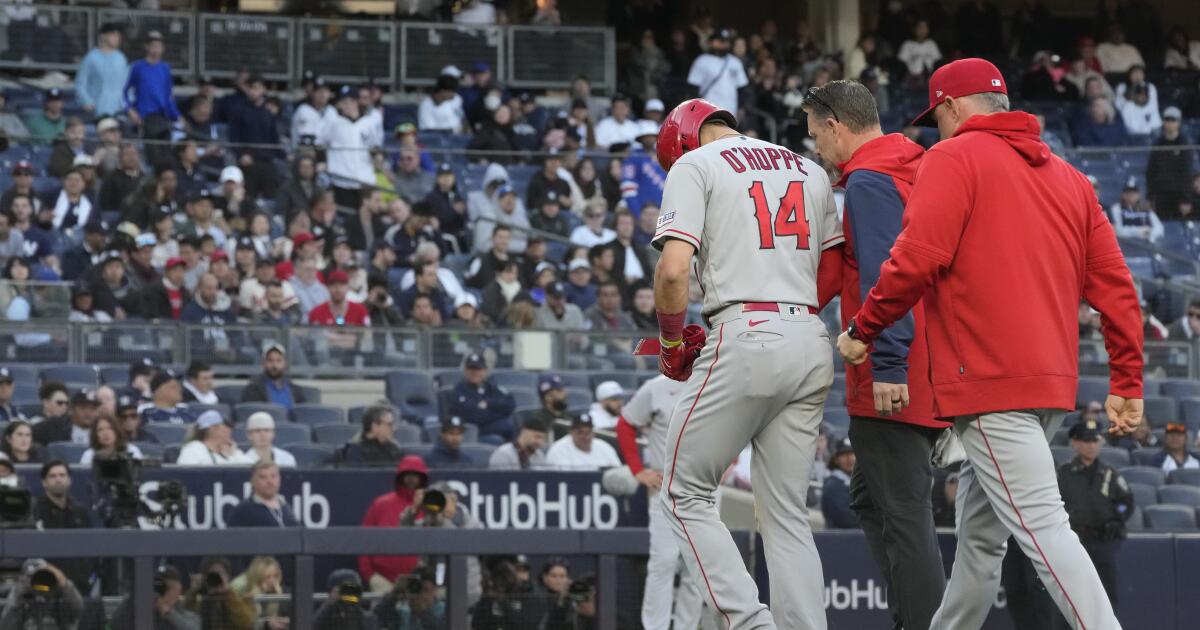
point(339, 311)
point(1006, 238)
point(381, 572)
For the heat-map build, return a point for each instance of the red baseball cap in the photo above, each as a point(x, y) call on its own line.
point(219, 255)
point(175, 262)
point(337, 276)
point(956, 79)
point(302, 238)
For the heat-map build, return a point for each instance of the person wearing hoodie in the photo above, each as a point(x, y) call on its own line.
point(890, 488)
point(380, 572)
point(1003, 239)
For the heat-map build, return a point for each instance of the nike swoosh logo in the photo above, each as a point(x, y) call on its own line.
point(755, 323)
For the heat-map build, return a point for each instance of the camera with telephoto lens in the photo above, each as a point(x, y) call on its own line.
point(16, 508)
point(434, 501)
point(213, 580)
point(580, 591)
point(118, 480)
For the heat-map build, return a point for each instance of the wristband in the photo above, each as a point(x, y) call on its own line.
point(670, 325)
point(667, 343)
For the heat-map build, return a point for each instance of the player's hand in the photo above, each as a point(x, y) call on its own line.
point(852, 350)
point(1124, 414)
point(652, 479)
point(890, 398)
point(675, 362)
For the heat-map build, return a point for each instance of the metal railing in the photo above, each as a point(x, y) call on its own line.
point(40, 37)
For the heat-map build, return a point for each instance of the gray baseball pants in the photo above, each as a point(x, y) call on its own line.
point(761, 379)
point(1009, 486)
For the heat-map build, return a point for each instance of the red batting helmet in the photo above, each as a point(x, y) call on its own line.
point(680, 131)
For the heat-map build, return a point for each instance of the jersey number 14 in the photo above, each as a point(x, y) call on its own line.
point(789, 218)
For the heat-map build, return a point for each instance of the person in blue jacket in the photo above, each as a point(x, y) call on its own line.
point(642, 178)
point(447, 452)
point(835, 496)
point(166, 403)
point(478, 401)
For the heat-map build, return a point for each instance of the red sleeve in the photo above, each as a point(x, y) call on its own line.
point(1108, 287)
point(937, 213)
point(829, 275)
point(627, 443)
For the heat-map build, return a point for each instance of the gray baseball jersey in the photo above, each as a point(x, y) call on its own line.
point(759, 217)
point(650, 410)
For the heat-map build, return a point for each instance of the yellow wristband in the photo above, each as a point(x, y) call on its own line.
point(669, 344)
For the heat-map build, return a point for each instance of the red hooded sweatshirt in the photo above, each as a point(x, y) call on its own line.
point(1007, 238)
point(878, 179)
point(385, 512)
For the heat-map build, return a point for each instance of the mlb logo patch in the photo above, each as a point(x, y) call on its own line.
point(995, 82)
point(666, 218)
point(939, 94)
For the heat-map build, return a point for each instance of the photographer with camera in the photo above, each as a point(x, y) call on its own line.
point(57, 510)
point(344, 610)
point(219, 606)
point(411, 477)
point(414, 604)
point(437, 506)
point(583, 599)
point(169, 613)
point(42, 599)
point(552, 608)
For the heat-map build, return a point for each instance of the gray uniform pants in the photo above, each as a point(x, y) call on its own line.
point(1009, 486)
point(765, 385)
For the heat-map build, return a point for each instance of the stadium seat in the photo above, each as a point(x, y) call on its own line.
point(481, 453)
point(1161, 410)
point(229, 394)
point(30, 409)
point(1148, 475)
point(312, 395)
point(115, 375)
point(69, 452)
point(524, 397)
point(1144, 457)
point(1181, 388)
point(418, 450)
point(335, 434)
point(577, 380)
point(241, 411)
point(578, 398)
point(405, 433)
point(1061, 437)
point(1143, 494)
point(171, 454)
point(82, 374)
point(1137, 520)
point(1091, 389)
point(1190, 412)
point(292, 433)
point(23, 374)
point(1169, 517)
point(1153, 388)
point(1181, 495)
point(167, 433)
point(310, 455)
point(413, 392)
point(1114, 456)
point(515, 378)
point(627, 380)
point(1062, 454)
point(447, 377)
point(150, 450)
point(1186, 477)
point(198, 408)
point(312, 414)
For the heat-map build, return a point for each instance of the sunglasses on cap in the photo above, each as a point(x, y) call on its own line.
point(1176, 427)
point(811, 94)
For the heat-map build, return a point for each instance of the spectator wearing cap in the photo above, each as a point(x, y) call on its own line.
point(1175, 454)
point(579, 288)
point(253, 126)
point(231, 197)
point(482, 403)
point(198, 384)
point(142, 273)
point(338, 311)
point(107, 440)
point(313, 115)
point(298, 191)
point(348, 158)
point(72, 208)
point(83, 308)
point(549, 183)
point(111, 291)
point(166, 401)
point(556, 313)
point(1132, 216)
point(605, 412)
point(75, 427)
point(79, 259)
point(418, 228)
point(642, 178)
point(264, 507)
point(123, 181)
point(412, 182)
point(209, 305)
point(375, 444)
point(608, 313)
point(443, 109)
point(149, 98)
point(426, 283)
point(8, 411)
point(717, 75)
point(553, 395)
point(50, 122)
point(448, 204)
point(252, 294)
point(201, 219)
point(526, 451)
point(835, 494)
point(277, 309)
point(579, 450)
point(165, 297)
point(447, 452)
point(1169, 170)
point(260, 429)
point(273, 385)
point(618, 128)
point(210, 443)
point(106, 152)
point(1140, 115)
point(22, 184)
point(12, 242)
point(18, 446)
point(67, 147)
point(101, 74)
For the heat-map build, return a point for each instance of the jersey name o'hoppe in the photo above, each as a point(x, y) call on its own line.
point(761, 160)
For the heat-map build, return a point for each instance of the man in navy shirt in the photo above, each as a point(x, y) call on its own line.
point(7, 411)
point(480, 402)
point(264, 508)
point(447, 453)
point(273, 385)
point(166, 401)
point(152, 106)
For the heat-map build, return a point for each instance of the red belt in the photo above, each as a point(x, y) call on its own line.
point(773, 307)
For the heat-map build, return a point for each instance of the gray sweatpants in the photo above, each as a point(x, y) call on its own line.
point(765, 385)
point(1009, 486)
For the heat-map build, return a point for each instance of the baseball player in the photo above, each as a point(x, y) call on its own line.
point(757, 217)
point(649, 412)
point(1007, 238)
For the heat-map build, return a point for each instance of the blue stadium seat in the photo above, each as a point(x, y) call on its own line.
point(1137, 520)
point(524, 396)
point(1154, 388)
point(578, 397)
point(1148, 475)
point(1062, 454)
point(1091, 389)
point(413, 392)
point(405, 433)
point(226, 411)
point(69, 452)
point(285, 433)
point(446, 378)
point(229, 394)
point(83, 374)
point(1170, 517)
point(1181, 389)
point(579, 380)
point(312, 395)
point(335, 434)
point(115, 375)
point(1161, 410)
point(1184, 476)
point(241, 411)
point(627, 380)
point(515, 378)
point(1181, 495)
point(171, 454)
point(481, 453)
point(167, 433)
point(310, 455)
point(312, 414)
point(1190, 412)
point(1144, 457)
point(1143, 494)
point(1114, 456)
point(150, 450)
point(23, 375)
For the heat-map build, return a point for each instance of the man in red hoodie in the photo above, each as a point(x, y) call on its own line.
point(380, 572)
point(1007, 238)
point(891, 486)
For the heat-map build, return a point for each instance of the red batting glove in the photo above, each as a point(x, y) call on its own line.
point(675, 361)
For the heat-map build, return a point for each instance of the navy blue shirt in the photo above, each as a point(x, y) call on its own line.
point(252, 513)
point(179, 415)
point(487, 406)
point(442, 457)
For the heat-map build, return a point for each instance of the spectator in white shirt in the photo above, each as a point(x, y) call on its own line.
point(211, 444)
point(593, 232)
point(1116, 54)
point(610, 397)
point(1132, 217)
point(349, 156)
point(428, 252)
point(106, 440)
point(260, 428)
point(580, 450)
point(1141, 117)
point(1182, 52)
point(313, 116)
point(718, 75)
point(617, 127)
point(442, 110)
point(920, 54)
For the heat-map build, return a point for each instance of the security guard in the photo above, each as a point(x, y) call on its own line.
point(166, 401)
point(1098, 502)
point(480, 402)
